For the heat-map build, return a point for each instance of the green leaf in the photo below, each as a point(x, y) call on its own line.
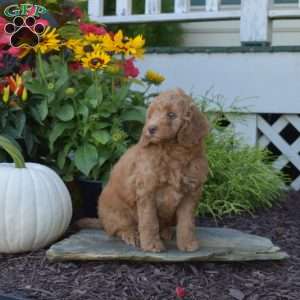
point(123, 92)
point(104, 155)
point(51, 97)
point(10, 131)
point(102, 125)
point(94, 95)
point(42, 109)
point(69, 31)
point(65, 113)
point(57, 131)
point(104, 114)
point(137, 114)
point(101, 136)
point(20, 123)
point(86, 157)
point(36, 87)
point(62, 155)
point(29, 139)
point(63, 78)
point(93, 102)
point(4, 118)
point(35, 114)
point(83, 110)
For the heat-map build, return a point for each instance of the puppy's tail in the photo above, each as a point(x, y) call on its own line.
point(90, 223)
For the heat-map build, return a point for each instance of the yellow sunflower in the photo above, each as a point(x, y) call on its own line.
point(93, 38)
point(135, 46)
point(116, 44)
point(154, 77)
point(95, 60)
point(108, 43)
point(49, 41)
point(122, 44)
point(98, 47)
point(83, 49)
point(73, 43)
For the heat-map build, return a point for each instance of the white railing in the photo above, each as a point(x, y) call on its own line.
point(256, 16)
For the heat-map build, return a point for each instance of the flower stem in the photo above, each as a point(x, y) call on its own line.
point(41, 67)
point(96, 79)
point(13, 152)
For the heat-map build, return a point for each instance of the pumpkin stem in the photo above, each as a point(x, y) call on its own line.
point(13, 152)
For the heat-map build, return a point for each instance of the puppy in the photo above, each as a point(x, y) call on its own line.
point(157, 183)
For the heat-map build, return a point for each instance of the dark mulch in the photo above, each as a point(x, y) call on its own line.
point(32, 277)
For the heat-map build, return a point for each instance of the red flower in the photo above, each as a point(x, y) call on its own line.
point(44, 22)
point(2, 24)
point(75, 66)
point(130, 69)
point(77, 12)
point(180, 292)
point(92, 28)
point(4, 40)
point(13, 51)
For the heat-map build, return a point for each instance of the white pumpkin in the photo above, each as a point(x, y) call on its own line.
point(35, 205)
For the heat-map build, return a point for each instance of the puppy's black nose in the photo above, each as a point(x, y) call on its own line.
point(152, 129)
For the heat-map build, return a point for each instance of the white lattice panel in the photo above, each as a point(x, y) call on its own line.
point(271, 133)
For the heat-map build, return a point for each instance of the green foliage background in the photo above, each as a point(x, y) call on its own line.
point(241, 178)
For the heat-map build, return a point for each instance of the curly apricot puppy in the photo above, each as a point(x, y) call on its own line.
point(157, 183)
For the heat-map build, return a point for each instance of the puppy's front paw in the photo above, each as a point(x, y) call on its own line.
point(153, 246)
point(167, 234)
point(131, 238)
point(189, 246)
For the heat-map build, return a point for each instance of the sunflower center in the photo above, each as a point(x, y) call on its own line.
point(88, 48)
point(96, 61)
point(122, 48)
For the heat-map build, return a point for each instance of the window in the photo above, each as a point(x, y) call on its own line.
point(230, 2)
point(202, 2)
point(285, 1)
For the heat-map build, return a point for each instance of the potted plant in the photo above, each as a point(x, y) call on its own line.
point(13, 117)
point(86, 111)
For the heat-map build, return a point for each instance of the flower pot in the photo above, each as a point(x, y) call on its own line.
point(90, 191)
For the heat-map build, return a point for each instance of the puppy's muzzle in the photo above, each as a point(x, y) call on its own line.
point(152, 130)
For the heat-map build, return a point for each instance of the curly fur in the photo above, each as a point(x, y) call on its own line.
point(157, 183)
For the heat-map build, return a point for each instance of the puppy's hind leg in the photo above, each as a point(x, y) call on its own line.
point(119, 222)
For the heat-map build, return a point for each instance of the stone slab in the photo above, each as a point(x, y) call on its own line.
point(218, 244)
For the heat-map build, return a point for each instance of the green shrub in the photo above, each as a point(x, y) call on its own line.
point(241, 179)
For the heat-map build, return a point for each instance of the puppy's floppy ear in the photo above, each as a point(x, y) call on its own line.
point(144, 139)
point(194, 128)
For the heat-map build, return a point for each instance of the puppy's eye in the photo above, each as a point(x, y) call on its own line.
point(171, 115)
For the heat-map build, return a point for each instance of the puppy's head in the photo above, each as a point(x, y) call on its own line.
point(173, 116)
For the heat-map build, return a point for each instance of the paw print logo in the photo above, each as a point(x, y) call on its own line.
point(24, 31)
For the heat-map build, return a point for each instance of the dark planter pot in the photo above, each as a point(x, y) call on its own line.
point(90, 191)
